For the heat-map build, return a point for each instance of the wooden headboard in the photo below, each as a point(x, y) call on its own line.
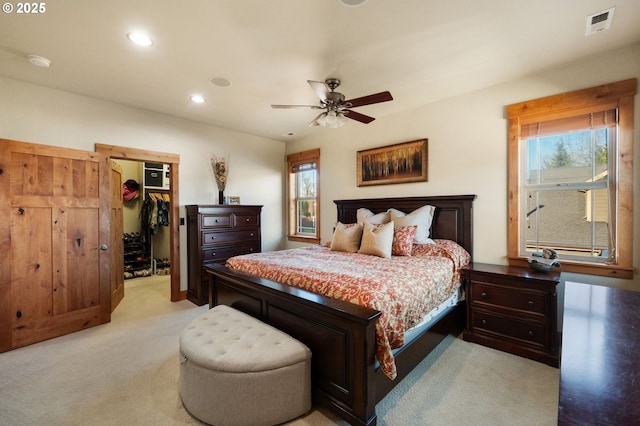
point(453, 218)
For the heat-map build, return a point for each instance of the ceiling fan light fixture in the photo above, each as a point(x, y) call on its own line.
point(332, 120)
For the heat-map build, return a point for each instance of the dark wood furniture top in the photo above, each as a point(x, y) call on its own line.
point(341, 335)
point(214, 234)
point(513, 309)
point(600, 362)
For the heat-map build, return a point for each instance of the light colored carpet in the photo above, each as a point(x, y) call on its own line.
point(126, 373)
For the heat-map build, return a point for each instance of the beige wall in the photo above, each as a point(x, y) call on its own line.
point(36, 114)
point(468, 151)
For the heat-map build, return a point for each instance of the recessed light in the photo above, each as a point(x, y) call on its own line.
point(220, 81)
point(39, 61)
point(289, 134)
point(197, 99)
point(140, 39)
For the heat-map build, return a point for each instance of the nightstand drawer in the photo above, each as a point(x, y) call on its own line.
point(519, 299)
point(224, 237)
point(509, 327)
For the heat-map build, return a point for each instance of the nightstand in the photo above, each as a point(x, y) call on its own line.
point(512, 309)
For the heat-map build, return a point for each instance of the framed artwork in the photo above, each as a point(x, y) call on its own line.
point(399, 163)
point(233, 200)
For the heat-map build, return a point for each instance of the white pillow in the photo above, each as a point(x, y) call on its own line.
point(367, 216)
point(421, 217)
point(346, 237)
point(377, 240)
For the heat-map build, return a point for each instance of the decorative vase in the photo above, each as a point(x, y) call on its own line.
point(220, 197)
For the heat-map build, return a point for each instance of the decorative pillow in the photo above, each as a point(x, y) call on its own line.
point(421, 217)
point(403, 240)
point(346, 237)
point(367, 216)
point(377, 239)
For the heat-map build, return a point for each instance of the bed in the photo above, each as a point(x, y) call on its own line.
point(342, 336)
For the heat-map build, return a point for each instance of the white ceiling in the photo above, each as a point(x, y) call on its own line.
point(419, 50)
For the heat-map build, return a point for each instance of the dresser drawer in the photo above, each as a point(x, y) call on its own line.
point(216, 221)
point(246, 220)
point(225, 237)
point(519, 299)
point(223, 253)
point(522, 330)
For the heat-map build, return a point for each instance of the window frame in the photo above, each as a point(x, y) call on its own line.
point(619, 95)
point(293, 160)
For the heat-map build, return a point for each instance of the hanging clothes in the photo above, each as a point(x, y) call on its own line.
point(155, 212)
point(163, 213)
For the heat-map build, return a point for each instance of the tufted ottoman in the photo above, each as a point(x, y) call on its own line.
point(236, 370)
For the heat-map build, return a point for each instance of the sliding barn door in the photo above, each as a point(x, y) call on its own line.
point(54, 242)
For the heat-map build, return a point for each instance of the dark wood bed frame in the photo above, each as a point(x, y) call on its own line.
point(341, 335)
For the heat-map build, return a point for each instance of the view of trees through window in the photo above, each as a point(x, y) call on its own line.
point(566, 197)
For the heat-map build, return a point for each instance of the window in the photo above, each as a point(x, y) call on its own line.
point(570, 179)
point(304, 196)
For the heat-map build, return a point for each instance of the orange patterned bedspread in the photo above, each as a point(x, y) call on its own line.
point(403, 288)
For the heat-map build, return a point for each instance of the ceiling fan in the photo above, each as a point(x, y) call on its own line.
point(337, 109)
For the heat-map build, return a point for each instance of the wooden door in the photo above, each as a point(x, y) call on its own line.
point(54, 236)
point(117, 246)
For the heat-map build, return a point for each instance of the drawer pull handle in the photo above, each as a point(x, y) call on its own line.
point(530, 302)
point(251, 234)
point(483, 294)
point(246, 220)
point(484, 322)
point(530, 333)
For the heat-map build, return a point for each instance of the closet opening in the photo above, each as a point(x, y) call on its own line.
point(156, 252)
point(146, 233)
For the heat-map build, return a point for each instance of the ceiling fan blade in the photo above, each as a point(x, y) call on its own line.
point(297, 106)
point(371, 99)
point(315, 121)
point(357, 116)
point(320, 88)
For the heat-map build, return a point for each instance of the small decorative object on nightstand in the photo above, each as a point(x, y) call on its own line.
point(545, 261)
point(513, 309)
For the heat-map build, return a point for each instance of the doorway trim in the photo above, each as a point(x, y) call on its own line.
point(134, 154)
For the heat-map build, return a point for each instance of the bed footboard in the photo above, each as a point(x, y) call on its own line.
point(341, 336)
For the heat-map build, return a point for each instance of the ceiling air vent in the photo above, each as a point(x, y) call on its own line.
point(600, 21)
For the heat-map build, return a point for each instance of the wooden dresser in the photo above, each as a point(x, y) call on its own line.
point(214, 234)
point(513, 309)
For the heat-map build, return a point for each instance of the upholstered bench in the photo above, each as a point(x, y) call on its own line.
point(236, 370)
